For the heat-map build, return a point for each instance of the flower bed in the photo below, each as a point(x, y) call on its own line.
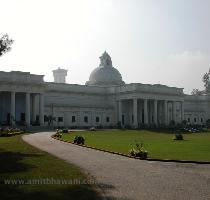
point(8, 132)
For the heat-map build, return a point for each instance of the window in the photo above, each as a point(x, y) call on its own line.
point(201, 120)
point(132, 119)
point(60, 119)
point(123, 119)
point(86, 119)
point(194, 119)
point(107, 119)
point(22, 117)
point(97, 119)
point(45, 118)
point(73, 119)
point(188, 119)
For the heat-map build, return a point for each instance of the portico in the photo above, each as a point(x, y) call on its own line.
point(145, 104)
point(18, 99)
point(138, 111)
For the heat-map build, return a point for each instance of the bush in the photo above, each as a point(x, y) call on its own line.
point(79, 140)
point(7, 132)
point(58, 133)
point(92, 129)
point(139, 151)
point(65, 131)
point(178, 136)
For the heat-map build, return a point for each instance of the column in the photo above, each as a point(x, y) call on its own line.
point(34, 108)
point(41, 109)
point(12, 113)
point(145, 112)
point(174, 110)
point(120, 112)
point(155, 112)
point(166, 112)
point(27, 114)
point(135, 109)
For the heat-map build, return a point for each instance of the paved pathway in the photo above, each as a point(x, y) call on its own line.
point(128, 179)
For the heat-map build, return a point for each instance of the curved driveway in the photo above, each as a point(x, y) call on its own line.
point(128, 179)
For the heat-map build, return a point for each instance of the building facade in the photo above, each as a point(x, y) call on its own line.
point(105, 100)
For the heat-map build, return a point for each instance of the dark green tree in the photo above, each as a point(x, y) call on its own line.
point(5, 44)
point(206, 79)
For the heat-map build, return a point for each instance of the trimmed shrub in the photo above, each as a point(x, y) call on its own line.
point(7, 132)
point(65, 131)
point(79, 140)
point(139, 151)
point(178, 136)
point(58, 135)
point(92, 129)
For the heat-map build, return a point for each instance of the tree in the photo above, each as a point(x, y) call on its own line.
point(196, 92)
point(5, 44)
point(206, 79)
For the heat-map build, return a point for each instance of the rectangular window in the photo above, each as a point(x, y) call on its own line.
point(45, 118)
point(97, 119)
point(107, 119)
point(123, 119)
point(188, 119)
point(60, 119)
point(194, 119)
point(201, 120)
point(86, 119)
point(73, 119)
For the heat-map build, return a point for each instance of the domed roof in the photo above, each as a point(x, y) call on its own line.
point(105, 74)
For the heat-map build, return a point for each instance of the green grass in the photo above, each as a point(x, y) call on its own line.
point(20, 161)
point(159, 145)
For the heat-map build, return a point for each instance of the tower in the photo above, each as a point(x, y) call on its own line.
point(60, 75)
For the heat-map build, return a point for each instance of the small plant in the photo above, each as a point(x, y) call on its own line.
point(139, 151)
point(65, 131)
point(7, 132)
point(178, 136)
point(58, 133)
point(79, 140)
point(92, 129)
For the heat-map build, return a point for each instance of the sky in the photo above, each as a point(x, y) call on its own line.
point(150, 41)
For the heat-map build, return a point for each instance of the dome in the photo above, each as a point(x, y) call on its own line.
point(105, 74)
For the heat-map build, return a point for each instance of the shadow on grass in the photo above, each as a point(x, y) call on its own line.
point(10, 162)
point(55, 192)
point(45, 192)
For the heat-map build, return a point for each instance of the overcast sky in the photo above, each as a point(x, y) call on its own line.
point(150, 41)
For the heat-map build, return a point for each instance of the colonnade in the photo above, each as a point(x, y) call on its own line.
point(28, 96)
point(155, 114)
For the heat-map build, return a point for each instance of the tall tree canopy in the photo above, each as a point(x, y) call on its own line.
point(5, 44)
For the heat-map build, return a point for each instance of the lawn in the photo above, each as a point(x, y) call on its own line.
point(159, 145)
point(22, 162)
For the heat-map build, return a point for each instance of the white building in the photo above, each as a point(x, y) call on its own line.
point(105, 100)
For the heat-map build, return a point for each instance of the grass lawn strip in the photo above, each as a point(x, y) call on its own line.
point(20, 161)
point(159, 145)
